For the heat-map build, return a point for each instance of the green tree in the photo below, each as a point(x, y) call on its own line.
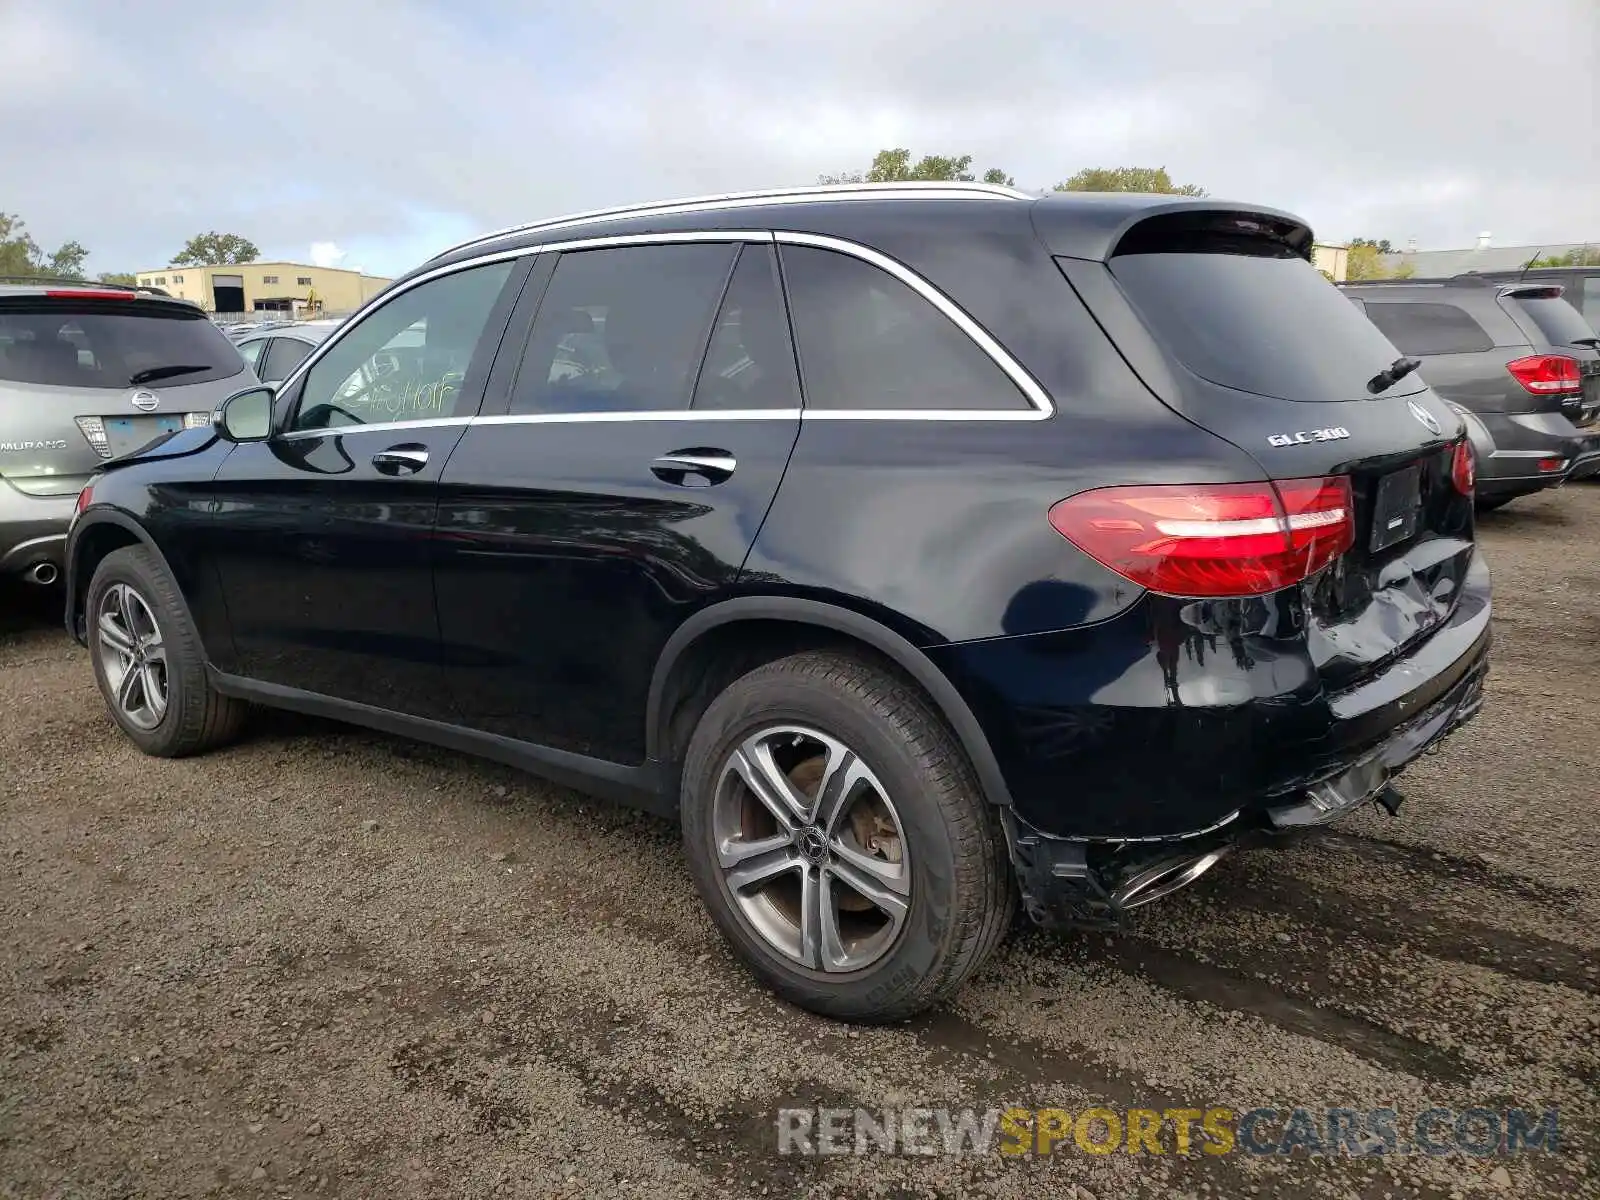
point(1127, 179)
point(1584, 256)
point(1381, 245)
point(124, 277)
point(216, 249)
point(1364, 261)
point(895, 166)
point(21, 255)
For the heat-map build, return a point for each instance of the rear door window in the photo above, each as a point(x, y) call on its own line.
point(1268, 325)
point(1429, 328)
point(622, 329)
point(110, 344)
point(869, 342)
point(1558, 322)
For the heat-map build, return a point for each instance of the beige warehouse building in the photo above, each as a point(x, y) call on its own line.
point(285, 287)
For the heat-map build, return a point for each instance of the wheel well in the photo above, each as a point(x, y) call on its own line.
point(721, 655)
point(92, 546)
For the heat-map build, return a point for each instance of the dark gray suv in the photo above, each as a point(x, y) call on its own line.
point(1516, 360)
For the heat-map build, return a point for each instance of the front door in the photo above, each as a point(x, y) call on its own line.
point(322, 535)
point(617, 489)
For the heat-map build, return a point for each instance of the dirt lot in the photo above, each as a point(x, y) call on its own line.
point(328, 963)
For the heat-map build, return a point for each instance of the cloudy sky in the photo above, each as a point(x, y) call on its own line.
point(379, 132)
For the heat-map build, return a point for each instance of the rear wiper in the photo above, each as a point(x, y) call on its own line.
point(1594, 341)
point(1392, 374)
point(152, 373)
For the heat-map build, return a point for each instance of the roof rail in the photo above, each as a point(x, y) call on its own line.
point(921, 189)
point(65, 281)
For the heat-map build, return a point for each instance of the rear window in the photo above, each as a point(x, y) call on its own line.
point(1557, 320)
point(114, 344)
point(1259, 323)
point(1429, 328)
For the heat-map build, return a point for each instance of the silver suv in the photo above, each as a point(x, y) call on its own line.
point(90, 372)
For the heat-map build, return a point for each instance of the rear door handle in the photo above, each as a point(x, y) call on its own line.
point(406, 459)
point(697, 467)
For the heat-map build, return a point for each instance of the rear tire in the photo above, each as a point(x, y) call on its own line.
point(901, 889)
point(149, 662)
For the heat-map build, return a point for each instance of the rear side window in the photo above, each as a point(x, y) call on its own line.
point(283, 356)
point(1429, 328)
point(749, 362)
point(1556, 320)
point(867, 341)
point(1591, 301)
point(622, 330)
point(112, 344)
point(1268, 325)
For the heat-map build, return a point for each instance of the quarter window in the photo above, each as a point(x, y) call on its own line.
point(1428, 328)
point(750, 363)
point(868, 341)
point(407, 360)
point(284, 355)
point(622, 329)
point(251, 351)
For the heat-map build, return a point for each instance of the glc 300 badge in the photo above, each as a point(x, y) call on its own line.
point(1333, 433)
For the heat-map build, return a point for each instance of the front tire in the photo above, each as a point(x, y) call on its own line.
point(838, 837)
point(148, 659)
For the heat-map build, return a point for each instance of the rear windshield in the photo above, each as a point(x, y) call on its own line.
point(113, 344)
point(1269, 325)
point(1558, 321)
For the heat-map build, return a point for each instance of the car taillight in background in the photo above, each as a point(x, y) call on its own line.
point(1212, 540)
point(196, 420)
point(1545, 374)
point(85, 498)
point(94, 432)
point(1463, 468)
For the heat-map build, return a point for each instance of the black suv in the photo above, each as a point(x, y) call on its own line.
point(1516, 360)
point(922, 548)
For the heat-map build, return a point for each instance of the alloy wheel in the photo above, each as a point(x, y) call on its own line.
point(132, 656)
point(811, 848)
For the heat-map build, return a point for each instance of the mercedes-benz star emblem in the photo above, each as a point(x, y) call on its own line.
point(1429, 421)
point(148, 401)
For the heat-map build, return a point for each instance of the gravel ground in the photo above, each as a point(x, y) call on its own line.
point(325, 962)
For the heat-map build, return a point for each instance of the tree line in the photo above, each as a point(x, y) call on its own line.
point(21, 257)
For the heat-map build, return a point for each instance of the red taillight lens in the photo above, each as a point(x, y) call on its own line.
point(85, 498)
point(1228, 539)
point(1463, 468)
point(1542, 374)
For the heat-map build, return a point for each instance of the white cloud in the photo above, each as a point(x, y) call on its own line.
point(326, 254)
point(1381, 118)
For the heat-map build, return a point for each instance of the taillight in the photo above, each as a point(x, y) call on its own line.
point(1226, 539)
point(1463, 468)
point(1543, 374)
point(85, 498)
point(94, 432)
point(88, 294)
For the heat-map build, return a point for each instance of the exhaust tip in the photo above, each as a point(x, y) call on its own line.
point(1165, 877)
point(42, 573)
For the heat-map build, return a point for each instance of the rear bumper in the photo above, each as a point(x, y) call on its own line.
point(33, 529)
point(1511, 448)
point(1147, 727)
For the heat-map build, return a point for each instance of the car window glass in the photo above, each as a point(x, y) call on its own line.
point(1558, 321)
point(868, 341)
point(251, 351)
point(282, 357)
point(749, 362)
point(111, 344)
point(621, 329)
point(406, 360)
point(1428, 328)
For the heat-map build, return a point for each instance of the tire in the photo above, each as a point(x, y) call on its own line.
point(134, 583)
point(909, 783)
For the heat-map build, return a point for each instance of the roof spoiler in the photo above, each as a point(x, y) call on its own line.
point(1532, 291)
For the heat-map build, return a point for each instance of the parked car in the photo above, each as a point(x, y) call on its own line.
point(995, 546)
point(1580, 285)
point(88, 372)
point(275, 352)
point(1516, 360)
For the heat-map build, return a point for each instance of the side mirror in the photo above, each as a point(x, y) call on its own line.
point(245, 416)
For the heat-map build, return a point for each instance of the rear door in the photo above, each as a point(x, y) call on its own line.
point(1243, 337)
point(87, 375)
point(640, 429)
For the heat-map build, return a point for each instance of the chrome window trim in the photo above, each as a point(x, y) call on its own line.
point(908, 190)
point(1040, 408)
point(296, 435)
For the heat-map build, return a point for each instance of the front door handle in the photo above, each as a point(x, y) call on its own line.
point(697, 467)
point(407, 459)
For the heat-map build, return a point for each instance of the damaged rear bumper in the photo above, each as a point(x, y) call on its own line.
point(1085, 882)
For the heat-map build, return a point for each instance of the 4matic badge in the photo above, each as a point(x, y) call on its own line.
point(1333, 433)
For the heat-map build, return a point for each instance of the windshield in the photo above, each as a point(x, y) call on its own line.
point(1558, 321)
point(1269, 325)
point(114, 344)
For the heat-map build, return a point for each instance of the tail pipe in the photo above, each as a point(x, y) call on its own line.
point(1162, 878)
point(42, 573)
